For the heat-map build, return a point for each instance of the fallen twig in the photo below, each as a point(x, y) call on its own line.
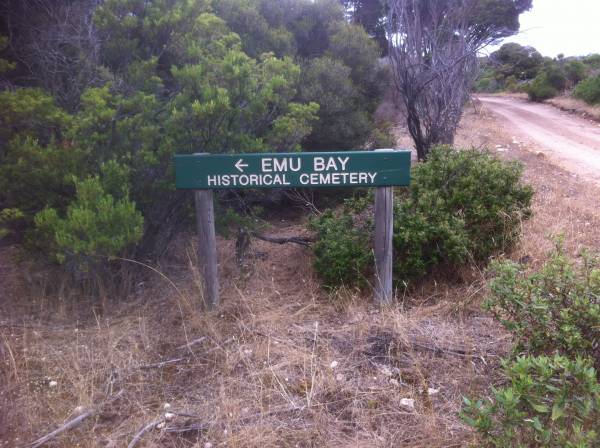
point(183, 429)
point(183, 358)
point(450, 351)
point(69, 425)
point(163, 363)
point(73, 423)
point(143, 431)
point(438, 350)
point(301, 240)
point(192, 343)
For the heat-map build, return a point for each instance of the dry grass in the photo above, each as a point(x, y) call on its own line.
point(573, 105)
point(279, 364)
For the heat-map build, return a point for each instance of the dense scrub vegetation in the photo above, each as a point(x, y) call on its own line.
point(588, 90)
point(462, 206)
point(554, 311)
point(547, 402)
point(343, 254)
point(552, 395)
point(85, 157)
point(515, 68)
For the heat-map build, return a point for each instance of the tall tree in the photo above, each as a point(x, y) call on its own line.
point(433, 53)
point(370, 14)
point(512, 59)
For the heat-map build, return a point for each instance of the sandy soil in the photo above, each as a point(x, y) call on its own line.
point(569, 141)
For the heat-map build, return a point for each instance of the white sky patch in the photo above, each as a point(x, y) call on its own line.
point(570, 27)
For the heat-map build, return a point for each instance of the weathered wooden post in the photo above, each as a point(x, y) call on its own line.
point(384, 230)
point(207, 246)
point(384, 226)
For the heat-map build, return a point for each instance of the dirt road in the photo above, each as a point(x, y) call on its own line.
point(569, 141)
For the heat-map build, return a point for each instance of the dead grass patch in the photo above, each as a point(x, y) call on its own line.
point(575, 106)
point(277, 365)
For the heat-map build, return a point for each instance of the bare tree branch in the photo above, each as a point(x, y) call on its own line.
point(56, 44)
point(433, 54)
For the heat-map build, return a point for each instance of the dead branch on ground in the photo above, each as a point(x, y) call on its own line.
point(143, 431)
point(73, 423)
point(301, 240)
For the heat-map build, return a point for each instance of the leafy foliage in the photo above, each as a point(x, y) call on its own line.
point(342, 253)
point(487, 82)
point(382, 137)
point(575, 71)
point(549, 402)
point(369, 14)
point(30, 113)
point(556, 310)
point(512, 59)
point(462, 206)
point(36, 160)
point(588, 90)
point(517, 68)
point(341, 124)
point(97, 224)
point(592, 61)
point(166, 77)
point(553, 397)
point(541, 88)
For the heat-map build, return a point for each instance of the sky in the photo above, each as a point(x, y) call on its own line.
point(571, 27)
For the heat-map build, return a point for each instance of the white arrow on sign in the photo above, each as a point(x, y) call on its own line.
point(240, 165)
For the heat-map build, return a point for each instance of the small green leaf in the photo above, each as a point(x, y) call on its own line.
point(558, 410)
point(542, 408)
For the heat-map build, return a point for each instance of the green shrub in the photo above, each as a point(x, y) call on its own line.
point(556, 310)
point(548, 402)
point(36, 164)
point(575, 71)
point(511, 84)
point(588, 90)
point(32, 113)
point(426, 236)
point(555, 76)
point(97, 224)
point(541, 88)
point(34, 176)
point(593, 60)
point(462, 205)
point(343, 255)
point(176, 76)
point(486, 84)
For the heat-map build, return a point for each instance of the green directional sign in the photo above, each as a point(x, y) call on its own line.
point(293, 170)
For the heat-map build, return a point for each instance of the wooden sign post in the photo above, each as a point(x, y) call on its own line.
point(383, 169)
